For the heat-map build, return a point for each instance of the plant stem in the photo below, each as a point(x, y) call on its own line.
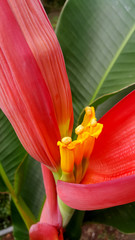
point(23, 209)
point(66, 212)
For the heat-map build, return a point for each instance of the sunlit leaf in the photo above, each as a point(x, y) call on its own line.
point(98, 43)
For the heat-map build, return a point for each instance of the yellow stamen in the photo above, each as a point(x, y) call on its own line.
point(66, 140)
point(67, 159)
point(79, 129)
point(95, 131)
point(78, 151)
point(67, 154)
point(88, 110)
point(88, 143)
point(89, 115)
point(93, 122)
point(75, 155)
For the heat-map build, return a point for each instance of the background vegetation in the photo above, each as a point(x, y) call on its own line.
point(5, 218)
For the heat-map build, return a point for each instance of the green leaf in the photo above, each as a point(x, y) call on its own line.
point(20, 231)
point(3, 187)
point(98, 43)
point(74, 233)
point(121, 217)
point(29, 185)
point(103, 106)
point(105, 103)
point(20, 174)
point(32, 189)
point(12, 152)
point(23, 209)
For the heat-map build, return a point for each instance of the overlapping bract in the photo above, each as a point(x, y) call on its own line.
point(110, 178)
point(34, 88)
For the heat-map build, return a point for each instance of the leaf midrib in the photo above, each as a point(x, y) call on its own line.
point(113, 62)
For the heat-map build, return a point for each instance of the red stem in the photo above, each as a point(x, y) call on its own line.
point(50, 213)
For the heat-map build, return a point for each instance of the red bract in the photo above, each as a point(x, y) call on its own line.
point(34, 91)
point(42, 231)
point(50, 213)
point(110, 178)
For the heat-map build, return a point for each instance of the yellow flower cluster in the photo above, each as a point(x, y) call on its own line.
point(75, 155)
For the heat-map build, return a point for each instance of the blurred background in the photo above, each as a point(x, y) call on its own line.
point(53, 8)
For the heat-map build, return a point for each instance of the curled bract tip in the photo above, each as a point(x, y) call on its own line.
point(44, 231)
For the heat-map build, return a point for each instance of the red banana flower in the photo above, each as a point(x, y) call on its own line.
point(35, 96)
point(110, 177)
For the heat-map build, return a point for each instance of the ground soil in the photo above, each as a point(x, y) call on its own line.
point(103, 232)
point(95, 232)
point(9, 236)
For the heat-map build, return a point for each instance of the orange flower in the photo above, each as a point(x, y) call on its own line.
point(75, 154)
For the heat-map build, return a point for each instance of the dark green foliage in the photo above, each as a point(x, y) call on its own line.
point(20, 231)
point(5, 219)
point(52, 5)
point(121, 217)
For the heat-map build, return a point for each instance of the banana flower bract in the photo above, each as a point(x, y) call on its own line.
point(34, 89)
point(45, 232)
